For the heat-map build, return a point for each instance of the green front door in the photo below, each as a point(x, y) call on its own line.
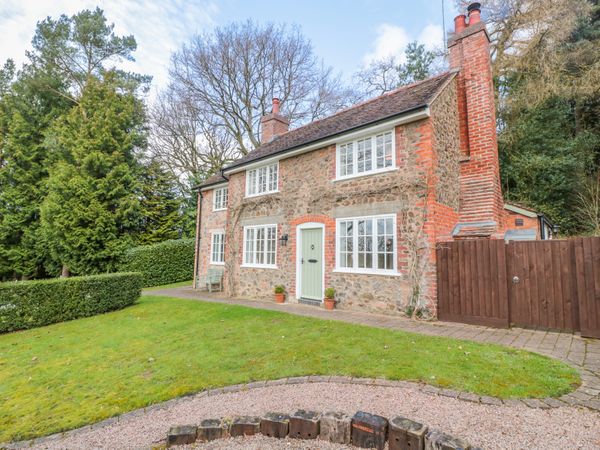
point(311, 264)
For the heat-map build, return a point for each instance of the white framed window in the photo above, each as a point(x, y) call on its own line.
point(367, 244)
point(260, 246)
point(220, 199)
point(366, 155)
point(262, 180)
point(217, 247)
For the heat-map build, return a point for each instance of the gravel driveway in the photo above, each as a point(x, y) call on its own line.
point(488, 426)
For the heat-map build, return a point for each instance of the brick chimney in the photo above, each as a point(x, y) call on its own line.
point(482, 205)
point(273, 125)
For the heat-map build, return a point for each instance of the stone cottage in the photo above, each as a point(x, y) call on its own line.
point(359, 200)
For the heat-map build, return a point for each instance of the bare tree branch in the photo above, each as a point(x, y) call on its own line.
point(231, 75)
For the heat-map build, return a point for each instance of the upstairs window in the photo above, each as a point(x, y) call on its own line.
point(220, 199)
point(367, 155)
point(262, 180)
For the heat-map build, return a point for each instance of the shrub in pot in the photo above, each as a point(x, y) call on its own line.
point(279, 293)
point(329, 298)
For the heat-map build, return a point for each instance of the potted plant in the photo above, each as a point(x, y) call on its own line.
point(279, 294)
point(329, 298)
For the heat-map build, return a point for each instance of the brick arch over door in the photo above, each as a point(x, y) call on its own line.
point(329, 239)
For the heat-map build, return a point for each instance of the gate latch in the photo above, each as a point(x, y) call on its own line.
point(516, 280)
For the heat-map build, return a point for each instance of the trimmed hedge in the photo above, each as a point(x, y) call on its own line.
point(30, 304)
point(163, 263)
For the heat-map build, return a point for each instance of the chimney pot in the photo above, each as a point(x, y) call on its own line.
point(276, 103)
point(474, 10)
point(460, 23)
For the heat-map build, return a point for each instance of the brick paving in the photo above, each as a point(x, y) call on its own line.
point(581, 353)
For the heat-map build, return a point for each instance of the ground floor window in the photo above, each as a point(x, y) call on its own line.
point(366, 244)
point(260, 245)
point(217, 248)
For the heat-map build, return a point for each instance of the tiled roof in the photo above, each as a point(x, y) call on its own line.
point(394, 103)
point(215, 179)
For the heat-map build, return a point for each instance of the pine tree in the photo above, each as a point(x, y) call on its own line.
point(92, 208)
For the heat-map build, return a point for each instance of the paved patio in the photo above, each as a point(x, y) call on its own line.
point(581, 353)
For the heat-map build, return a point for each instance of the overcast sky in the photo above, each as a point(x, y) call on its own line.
point(346, 34)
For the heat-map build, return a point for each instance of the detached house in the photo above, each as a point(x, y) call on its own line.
point(359, 200)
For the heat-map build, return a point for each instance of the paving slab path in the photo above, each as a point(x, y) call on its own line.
point(581, 353)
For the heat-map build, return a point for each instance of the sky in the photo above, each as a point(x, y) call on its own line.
point(345, 34)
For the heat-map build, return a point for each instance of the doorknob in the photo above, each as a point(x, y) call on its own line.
point(312, 260)
point(516, 280)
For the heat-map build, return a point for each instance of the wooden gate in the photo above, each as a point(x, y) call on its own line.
point(472, 284)
point(547, 284)
point(587, 269)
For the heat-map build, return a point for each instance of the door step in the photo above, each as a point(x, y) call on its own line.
point(309, 301)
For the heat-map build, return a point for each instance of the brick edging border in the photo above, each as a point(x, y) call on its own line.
point(546, 403)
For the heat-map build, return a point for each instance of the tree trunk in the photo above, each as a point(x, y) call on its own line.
point(65, 272)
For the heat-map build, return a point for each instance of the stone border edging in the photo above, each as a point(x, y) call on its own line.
point(363, 430)
point(546, 403)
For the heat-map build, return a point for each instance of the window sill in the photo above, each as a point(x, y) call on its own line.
point(217, 263)
point(388, 273)
point(258, 266)
point(365, 174)
point(220, 209)
point(261, 194)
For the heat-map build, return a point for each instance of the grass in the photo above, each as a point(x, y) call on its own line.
point(172, 285)
point(70, 374)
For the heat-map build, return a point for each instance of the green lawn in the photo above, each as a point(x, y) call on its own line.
point(70, 374)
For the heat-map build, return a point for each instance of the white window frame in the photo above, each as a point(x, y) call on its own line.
point(393, 271)
point(223, 197)
point(265, 250)
point(355, 147)
point(212, 247)
point(254, 173)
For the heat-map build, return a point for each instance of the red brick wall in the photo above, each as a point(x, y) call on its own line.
point(529, 223)
point(481, 195)
point(273, 125)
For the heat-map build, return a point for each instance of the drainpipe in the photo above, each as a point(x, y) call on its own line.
point(197, 243)
point(223, 175)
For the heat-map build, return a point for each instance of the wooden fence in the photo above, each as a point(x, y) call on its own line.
point(543, 284)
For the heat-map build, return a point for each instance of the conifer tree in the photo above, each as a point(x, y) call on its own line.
point(161, 206)
point(25, 114)
point(92, 208)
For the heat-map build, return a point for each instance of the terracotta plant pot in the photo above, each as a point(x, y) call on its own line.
point(279, 298)
point(329, 304)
